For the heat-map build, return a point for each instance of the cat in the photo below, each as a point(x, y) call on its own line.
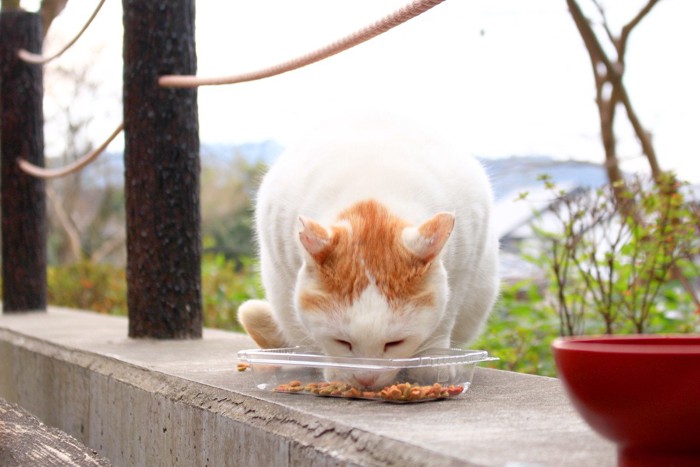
point(375, 241)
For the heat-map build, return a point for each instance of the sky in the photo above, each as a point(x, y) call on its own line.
point(502, 77)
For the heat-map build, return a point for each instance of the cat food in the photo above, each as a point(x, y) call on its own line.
point(402, 392)
point(242, 366)
point(433, 375)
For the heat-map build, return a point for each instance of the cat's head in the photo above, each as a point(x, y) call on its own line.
point(371, 284)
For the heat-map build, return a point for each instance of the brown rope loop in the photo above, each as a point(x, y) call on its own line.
point(41, 172)
point(37, 59)
point(400, 16)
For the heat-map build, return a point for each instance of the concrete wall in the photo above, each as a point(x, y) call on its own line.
point(144, 402)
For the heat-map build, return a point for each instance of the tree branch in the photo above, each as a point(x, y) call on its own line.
point(614, 73)
point(627, 29)
point(590, 40)
point(606, 26)
point(108, 247)
point(67, 224)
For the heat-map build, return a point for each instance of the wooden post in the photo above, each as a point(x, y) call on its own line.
point(162, 172)
point(22, 135)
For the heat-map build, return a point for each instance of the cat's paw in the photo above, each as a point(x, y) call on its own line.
point(258, 321)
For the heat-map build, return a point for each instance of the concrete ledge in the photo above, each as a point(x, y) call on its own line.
point(144, 402)
point(25, 440)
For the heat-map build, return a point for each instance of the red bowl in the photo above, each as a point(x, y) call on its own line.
point(641, 392)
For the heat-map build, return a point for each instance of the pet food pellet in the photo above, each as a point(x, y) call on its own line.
point(352, 393)
point(402, 392)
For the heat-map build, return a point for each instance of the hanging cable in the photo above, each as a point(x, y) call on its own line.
point(29, 57)
point(400, 16)
point(42, 172)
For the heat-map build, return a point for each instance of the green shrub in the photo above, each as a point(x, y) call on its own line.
point(617, 255)
point(88, 286)
point(102, 288)
point(520, 331)
point(225, 285)
point(612, 267)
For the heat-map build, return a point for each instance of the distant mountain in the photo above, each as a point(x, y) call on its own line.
point(509, 176)
point(512, 176)
point(515, 174)
point(505, 173)
point(256, 152)
point(108, 169)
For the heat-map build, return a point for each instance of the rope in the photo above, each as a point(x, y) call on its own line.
point(45, 173)
point(400, 16)
point(29, 57)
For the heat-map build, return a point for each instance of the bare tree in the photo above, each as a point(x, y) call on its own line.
point(85, 208)
point(608, 72)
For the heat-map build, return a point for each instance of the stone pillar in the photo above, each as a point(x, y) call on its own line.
point(162, 171)
point(22, 135)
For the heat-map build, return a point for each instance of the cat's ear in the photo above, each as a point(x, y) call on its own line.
point(315, 239)
point(427, 240)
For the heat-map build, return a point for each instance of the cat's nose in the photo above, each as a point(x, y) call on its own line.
point(366, 381)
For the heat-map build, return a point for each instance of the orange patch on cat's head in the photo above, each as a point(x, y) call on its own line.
point(366, 246)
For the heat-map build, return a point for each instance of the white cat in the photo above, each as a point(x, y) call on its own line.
point(375, 241)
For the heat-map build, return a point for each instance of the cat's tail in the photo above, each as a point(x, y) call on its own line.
point(258, 321)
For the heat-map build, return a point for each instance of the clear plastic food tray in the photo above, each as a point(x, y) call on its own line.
point(433, 375)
